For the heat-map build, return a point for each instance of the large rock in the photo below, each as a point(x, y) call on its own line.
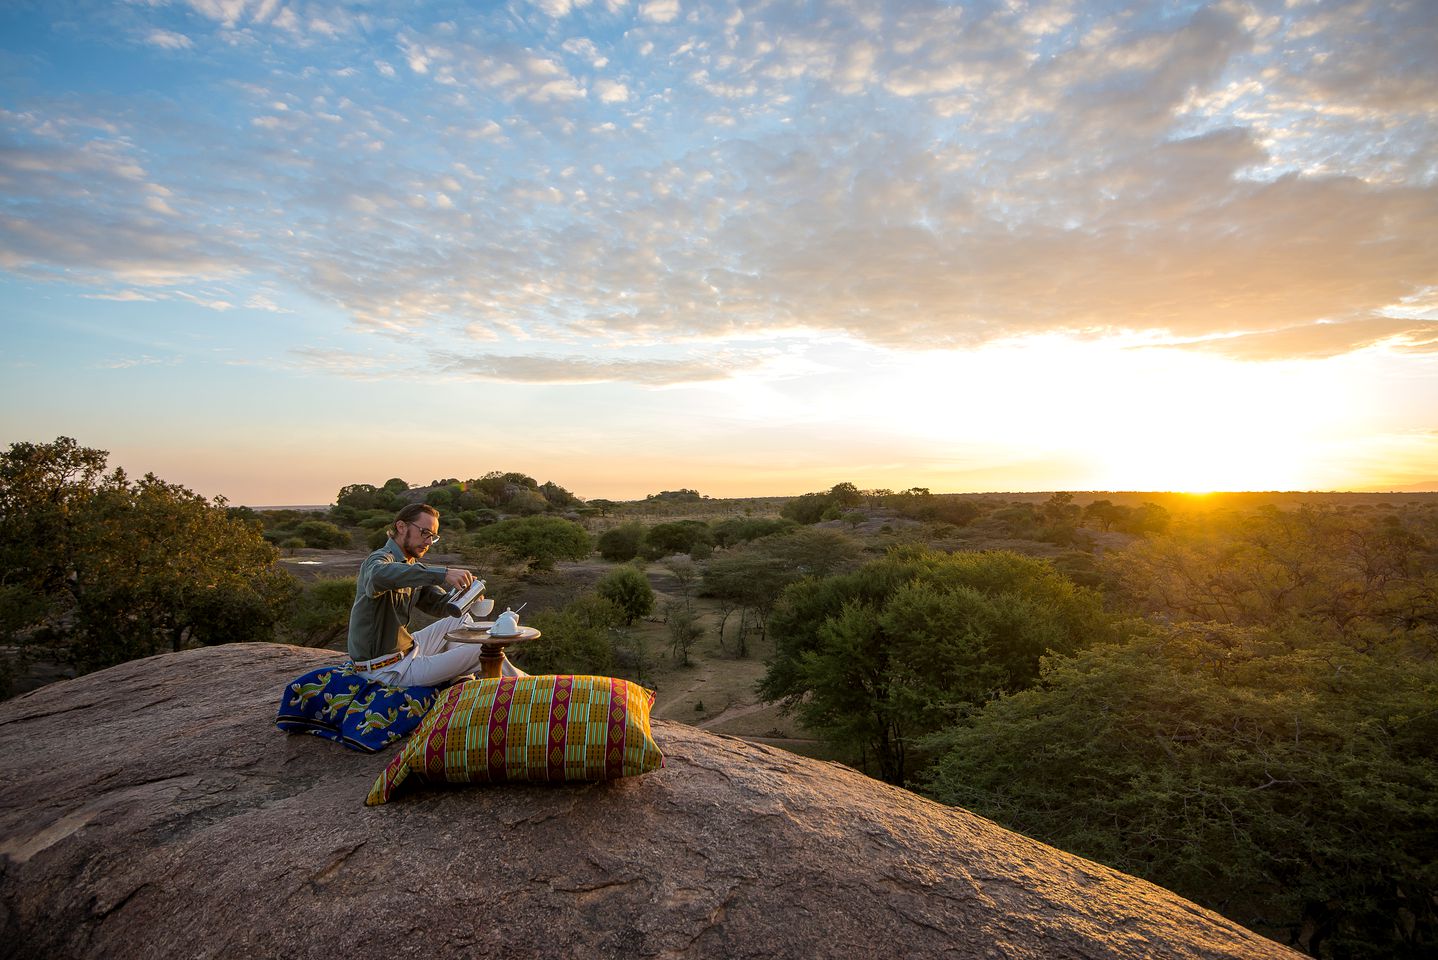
point(153, 810)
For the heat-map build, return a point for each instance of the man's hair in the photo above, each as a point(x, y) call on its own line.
point(413, 510)
point(408, 515)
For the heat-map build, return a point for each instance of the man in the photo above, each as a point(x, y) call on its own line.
point(392, 582)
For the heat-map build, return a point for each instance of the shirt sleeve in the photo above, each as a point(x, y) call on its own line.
point(431, 601)
point(386, 574)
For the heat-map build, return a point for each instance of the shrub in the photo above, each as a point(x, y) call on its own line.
point(621, 544)
point(667, 539)
point(628, 589)
point(323, 535)
point(321, 613)
point(575, 639)
point(540, 541)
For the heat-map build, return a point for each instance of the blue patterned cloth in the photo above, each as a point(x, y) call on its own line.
point(341, 705)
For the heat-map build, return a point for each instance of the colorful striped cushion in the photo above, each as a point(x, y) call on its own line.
point(528, 728)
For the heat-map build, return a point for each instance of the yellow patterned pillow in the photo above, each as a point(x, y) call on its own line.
point(528, 728)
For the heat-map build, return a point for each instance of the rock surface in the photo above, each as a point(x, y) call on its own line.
point(145, 815)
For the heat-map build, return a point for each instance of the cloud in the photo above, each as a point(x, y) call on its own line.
point(126, 363)
point(543, 369)
point(659, 11)
point(1321, 340)
point(168, 40)
point(227, 12)
point(611, 91)
point(347, 364)
point(909, 174)
point(558, 8)
point(91, 210)
point(123, 296)
point(584, 47)
point(521, 368)
point(261, 301)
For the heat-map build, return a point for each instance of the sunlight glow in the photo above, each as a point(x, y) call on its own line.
point(1129, 418)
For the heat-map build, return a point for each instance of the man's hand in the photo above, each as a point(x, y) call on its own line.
point(458, 578)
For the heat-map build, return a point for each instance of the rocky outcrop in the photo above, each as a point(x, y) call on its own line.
point(153, 810)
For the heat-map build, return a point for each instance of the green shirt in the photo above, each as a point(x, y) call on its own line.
point(389, 587)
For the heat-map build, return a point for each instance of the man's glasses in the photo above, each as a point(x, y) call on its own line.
point(429, 536)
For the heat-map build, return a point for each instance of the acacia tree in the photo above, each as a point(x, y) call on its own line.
point(1360, 578)
point(1292, 788)
point(107, 569)
point(751, 578)
point(902, 647)
point(684, 628)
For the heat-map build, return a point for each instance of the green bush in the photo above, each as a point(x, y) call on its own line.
point(667, 539)
point(735, 530)
point(906, 645)
point(1292, 789)
point(320, 614)
point(621, 544)
point(575, 639)
point(323, 535)
point(539, 541)
point(628, 589)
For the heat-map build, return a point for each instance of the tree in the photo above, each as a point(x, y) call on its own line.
point(685, 574)
point(1292, 788)
point(527, 503)
point(752, 580)
point(320, 614)
point(323, 535)
point(809, 552)
point(732, 531)
point(1358, 577)
point(752, 577)
point(538, 541)
point(102, 569)
point(682, 536)
point(557, 495)
point(806, 509)
point(621, 544)
point(1103, 512)
point(361, 497)
point(574, 639)
point(879, 658)
point(629, 590)
point(684, 629)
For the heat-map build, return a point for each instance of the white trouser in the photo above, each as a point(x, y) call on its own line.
point(434, 661)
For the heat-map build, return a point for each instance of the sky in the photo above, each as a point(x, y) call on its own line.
point(268, 248)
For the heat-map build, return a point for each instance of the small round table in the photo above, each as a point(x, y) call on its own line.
point(491, 651)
